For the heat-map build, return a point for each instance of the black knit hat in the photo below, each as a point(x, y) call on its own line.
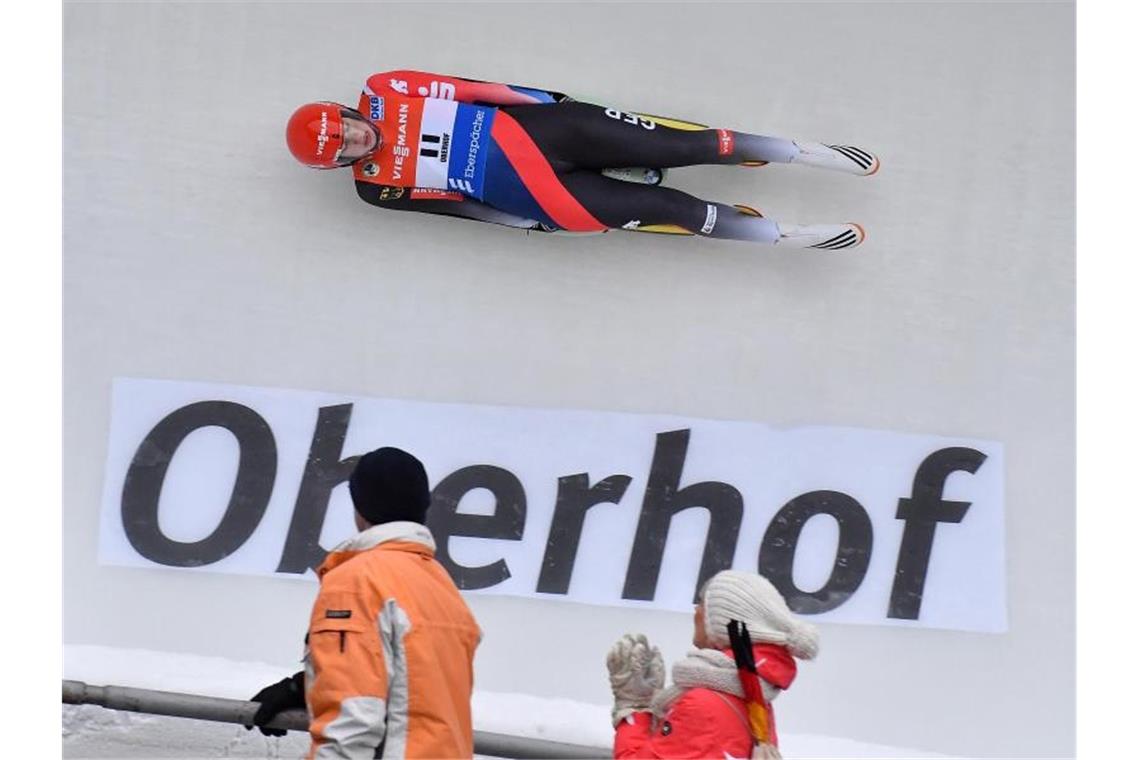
point(389, 484)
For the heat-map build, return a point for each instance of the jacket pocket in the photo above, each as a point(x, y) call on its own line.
point(334, 619)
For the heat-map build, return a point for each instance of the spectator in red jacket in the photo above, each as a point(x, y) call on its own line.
point(705, 712)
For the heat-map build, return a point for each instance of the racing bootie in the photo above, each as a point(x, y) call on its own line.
point(840, 158)
point(826, 237)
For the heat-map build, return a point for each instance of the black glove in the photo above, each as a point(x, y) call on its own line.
point(286, 694)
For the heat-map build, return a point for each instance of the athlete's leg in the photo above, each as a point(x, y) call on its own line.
point(520, 178)
point(621, 204)
point(587, 136)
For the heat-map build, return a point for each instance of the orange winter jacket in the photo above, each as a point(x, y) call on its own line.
point(390, 651)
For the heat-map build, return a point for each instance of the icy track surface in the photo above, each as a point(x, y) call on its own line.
point(91, 731)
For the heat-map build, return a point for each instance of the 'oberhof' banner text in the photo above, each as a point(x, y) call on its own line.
point(851, 525)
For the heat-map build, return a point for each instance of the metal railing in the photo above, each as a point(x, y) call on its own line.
point(222, 710)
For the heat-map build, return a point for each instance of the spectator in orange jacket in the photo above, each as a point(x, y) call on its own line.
point(391, 643)
point(706, 712)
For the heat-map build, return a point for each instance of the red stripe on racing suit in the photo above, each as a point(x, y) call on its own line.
point(538, 176)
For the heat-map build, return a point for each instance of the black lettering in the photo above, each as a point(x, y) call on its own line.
point(324, 471)
point(663, 499)
point(142, 487)
point(505, 523)
point(852, 556)
point(575, 497)
point(922, 513)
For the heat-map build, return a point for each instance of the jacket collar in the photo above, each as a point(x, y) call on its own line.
point(392, 532)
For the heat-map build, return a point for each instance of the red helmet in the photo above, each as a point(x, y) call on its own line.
point(315, 134)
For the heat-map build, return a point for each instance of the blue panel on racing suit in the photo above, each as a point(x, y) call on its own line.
point(466, 168)
point(505, 189)
point(539, 95)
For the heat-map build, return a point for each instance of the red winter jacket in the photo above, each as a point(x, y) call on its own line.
point(703, 722)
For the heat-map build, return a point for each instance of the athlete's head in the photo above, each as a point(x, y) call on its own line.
point(327, 135)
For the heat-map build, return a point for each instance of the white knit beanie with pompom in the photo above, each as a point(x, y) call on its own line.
point(753, 600)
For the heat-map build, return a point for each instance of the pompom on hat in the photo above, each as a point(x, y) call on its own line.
point(752, 599)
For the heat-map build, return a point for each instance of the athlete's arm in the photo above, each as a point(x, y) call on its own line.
point(427, 85)
point(440, 202)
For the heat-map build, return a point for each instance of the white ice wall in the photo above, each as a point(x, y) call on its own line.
point(196, 249)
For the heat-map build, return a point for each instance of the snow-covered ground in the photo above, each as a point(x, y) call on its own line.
point(91, 731)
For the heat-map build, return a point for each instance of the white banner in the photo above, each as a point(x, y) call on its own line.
point(852, 525)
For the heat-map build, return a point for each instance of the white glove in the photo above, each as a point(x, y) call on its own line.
point(636, 672)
